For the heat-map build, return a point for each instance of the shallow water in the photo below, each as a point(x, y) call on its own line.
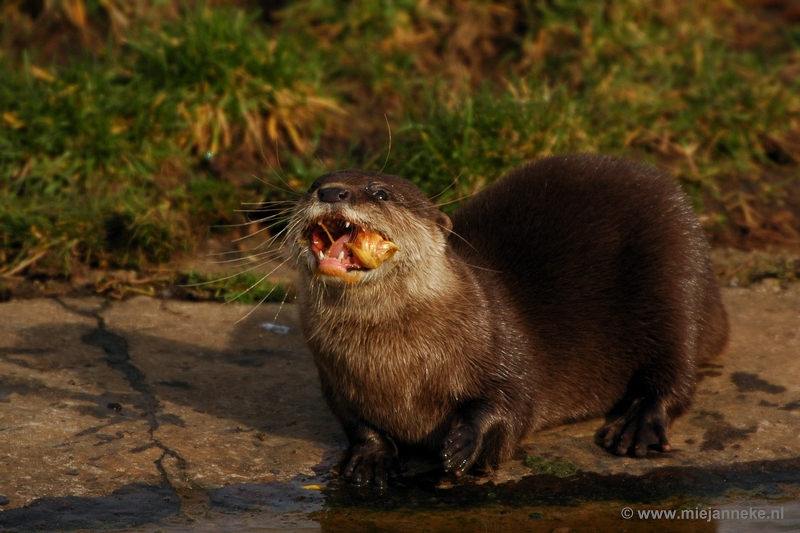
point(752, 497)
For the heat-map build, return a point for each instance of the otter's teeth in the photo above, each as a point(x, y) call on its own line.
point(341, 256)
point(347, 224)
point(321, 255)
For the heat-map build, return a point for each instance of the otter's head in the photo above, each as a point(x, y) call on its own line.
point(355, 227)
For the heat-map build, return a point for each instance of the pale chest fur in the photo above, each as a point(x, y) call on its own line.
point(398, 373)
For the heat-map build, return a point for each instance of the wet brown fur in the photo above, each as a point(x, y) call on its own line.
point(574, 286)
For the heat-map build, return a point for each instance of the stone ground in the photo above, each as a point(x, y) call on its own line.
point(146, 410)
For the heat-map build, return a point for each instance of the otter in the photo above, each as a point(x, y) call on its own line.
point(575, 286)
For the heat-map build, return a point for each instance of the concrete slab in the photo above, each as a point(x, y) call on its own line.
point(60, 433)
point(97, 397)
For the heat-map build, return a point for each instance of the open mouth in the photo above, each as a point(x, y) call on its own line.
point(343, 249)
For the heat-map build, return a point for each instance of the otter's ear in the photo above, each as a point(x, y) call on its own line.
point(445, 223)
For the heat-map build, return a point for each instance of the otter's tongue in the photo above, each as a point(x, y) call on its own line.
point(339, 255)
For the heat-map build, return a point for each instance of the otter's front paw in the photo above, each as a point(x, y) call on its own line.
point(642, 426)
point(460, 449)
point(373, 462)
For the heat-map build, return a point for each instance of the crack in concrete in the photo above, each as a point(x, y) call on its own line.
point(117, 357)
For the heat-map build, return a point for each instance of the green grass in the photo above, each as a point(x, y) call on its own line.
point(634, 89)
point(101, 158)
point(247, 288)
point(120, 154)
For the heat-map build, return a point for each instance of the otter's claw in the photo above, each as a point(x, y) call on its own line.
point(372, 462)
point(460, 450)
point(642, 426)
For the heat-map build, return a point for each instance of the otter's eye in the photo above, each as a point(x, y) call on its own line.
point(377, 190)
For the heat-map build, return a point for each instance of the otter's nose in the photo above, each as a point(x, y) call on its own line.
point(333, 195)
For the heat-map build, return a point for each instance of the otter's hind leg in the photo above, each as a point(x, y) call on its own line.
point(657, 394)
point(692, 328)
